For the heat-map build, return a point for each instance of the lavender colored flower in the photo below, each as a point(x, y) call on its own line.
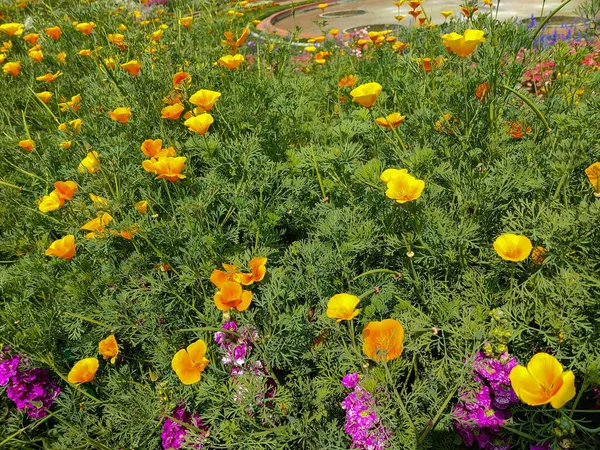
point(33, 391)
point(481, 412)
point(175, 435)
point(363, 424)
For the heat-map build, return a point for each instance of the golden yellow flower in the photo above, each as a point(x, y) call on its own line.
point(401, 186)
point(383, 341)
point(391, 120)
point(199, 124)
point(513, 247)
point(205, 99)
point(231, 62)
point(343, 307)
point(463, 44)
point(109, 348)
point(366, 94)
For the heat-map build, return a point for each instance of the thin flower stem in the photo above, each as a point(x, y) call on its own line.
point(534, 108)
point(370, 272)
point(431, 425)
point(312, 150)
point(87, 319)
point(519, 432)
point(400, 403)
point(353, 337)
point(584, 385)
point(169, 195)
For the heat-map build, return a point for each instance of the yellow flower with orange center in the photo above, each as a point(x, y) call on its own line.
point(348, 81)
point(97, 226)
point(12, 68)
point(180, 77)
point(401, 186)
point(54, 32)
point(154, 149)
point(172, 111)
point(49, 77)
point(543, 381)
point(231, 62)
point(141, 206)
point(44, 96)
point(383, 341)
point(36, 54)
point(120, 114)
point(189, 363)
point(62, 248)
point(109, 348)
point(366, 94)
point(74, 104)
point(391, 120)
point(513, 247)
point(166, 167)
point(83, 371)
point(199, 124)
point(205, 99)
point(186, 21)
point(132, 67)
point(12, 29)
point(593, 172)
point(156, 35)
point(231, 295)
point(463, 44)
point(91, 163)
point(343, 307)
point(85, 27)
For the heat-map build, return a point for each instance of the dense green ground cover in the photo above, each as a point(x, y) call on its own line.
point(289, 170)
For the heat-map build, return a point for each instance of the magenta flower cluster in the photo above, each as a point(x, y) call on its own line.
point(363, 425)
point(481, 412)
point(236, 350)
point(175, 435)
point(31, 388)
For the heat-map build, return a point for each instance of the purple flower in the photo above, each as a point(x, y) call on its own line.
point(33, 391)
point(351, 380)
point(540, 446)
point(8, 369)
point(174, 435)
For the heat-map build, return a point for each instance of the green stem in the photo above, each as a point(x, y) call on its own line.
point(529, 103)
point(370, 272)
point(87, 319)
point(545, 21)
point(312, 150)
point(433, 423)
point(400, 403)
point(22, 430)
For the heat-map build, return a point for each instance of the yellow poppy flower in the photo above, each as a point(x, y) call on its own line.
point(403, 187)
point(109, 348)
point(199, 124)
point(463, 44)
point(366, 94)
point(390, 121)
point(189, 363)
point(120, 114)
point(205, 99)
point(62, 248)
point(12, 29)
point(513, 247)
point(166, 167)
point(84, 371)
point(12, 68)
point(343, 307)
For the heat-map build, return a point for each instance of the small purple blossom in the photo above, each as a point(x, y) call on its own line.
point(350, 380)
point(174, 435)
point(8, 369)
point(541, 446)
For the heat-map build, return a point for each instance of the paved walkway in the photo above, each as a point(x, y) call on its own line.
point(375, 12)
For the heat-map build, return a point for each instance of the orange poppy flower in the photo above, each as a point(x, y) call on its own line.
point(84, 371)
point(27, 144)
point(231, 62)
point(75, 125)
point(54, 32)
point(12, 29)
point(109, 348)
point(65, 189)
point(156, 35)
point(234, 44)
point(482, 91)
point(132, 67)
point(366, 94)
point(44, 96)
point(199, 124)
point(120, 114)
point(172, 111)
point(383, 341)
point(85, 52)
point(166, 167)
point(399, 46)
point(65, 144)
point(189, 363)
point(219, 278)
point(118, 40)
point(36, 54)
point(179, 77)
point(12, 68)
point(62, 248)
point(390, 121)
point(517, 130)
point(258, 268)
point(348, 81)
point(231, 295)
point(49, 77)
point(513, 247)
point(110, 63)
point(62, 57)
point(463, 44)
point(415, 14)
point(153, 148)
point(85, 27)
point(74, 104)
point(205, 99)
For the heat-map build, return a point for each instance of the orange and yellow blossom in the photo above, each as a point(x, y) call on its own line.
point(99, 202)
point(44, 96)
point(91, 163)
point(12, 29)
point(234, 44)
point(85, 27)
point(231, 295)
point(65, 189)
point(348, 81)
point(120, 114)
point(74, 104)
point(141, 206)
point(543, 381)
point(343, 307)
point(119, 41)
point(156, 35)
point(205, 99)
point(258, 268)
point(109, 348)
point(65, 144)
point(199, 124)
point(513, 247)
point(62, 248)
point(49, 77)
point(231, 62)
point(446, 14)
point(62, 57)
point(54, 32)
point(463, 44)
point(366, 94)
point(154, 149)
point(36, 54)
point(84, 371)
point(186, 21)
point(390, 121)
point(401, 186)
point(383, 341)
point(593, 172)
point(96, 226)
point(172, 112)
point(50, 202)
point(189, 363)
point(75, 124)
point(166, 167)
point(12, 68)
point(179, 77)
point(132, 67)
point(27, 144)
